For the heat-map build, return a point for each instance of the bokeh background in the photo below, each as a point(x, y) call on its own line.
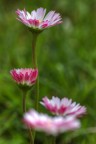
point(67, 65)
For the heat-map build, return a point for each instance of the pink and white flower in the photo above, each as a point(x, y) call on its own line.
point(50, 125)
point(25, 76)
point(37, 19)
point(63, 107)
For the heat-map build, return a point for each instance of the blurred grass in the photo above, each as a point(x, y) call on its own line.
point(67, 64)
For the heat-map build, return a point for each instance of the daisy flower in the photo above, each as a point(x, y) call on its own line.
point(50, 125)
point(37, 20)
point(63, 106)
point(24, 77)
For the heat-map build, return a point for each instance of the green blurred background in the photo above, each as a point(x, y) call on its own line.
point(67, 65)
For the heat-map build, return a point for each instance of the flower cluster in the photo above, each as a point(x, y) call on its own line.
point(37, 19)
point(66, 112)
point(50, 125)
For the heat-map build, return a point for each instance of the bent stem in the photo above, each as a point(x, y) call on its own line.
point(24, 110)
point(34, 61)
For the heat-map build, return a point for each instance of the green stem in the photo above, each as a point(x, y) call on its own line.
point(37, 93)
point(34, 54)
point(53, 140)
point(24, 110)
point(24, 101)
point(34, 61)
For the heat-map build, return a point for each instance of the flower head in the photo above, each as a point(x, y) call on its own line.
point(37, 20)
point(50, 125)
point(63, 107)
point(24, 77)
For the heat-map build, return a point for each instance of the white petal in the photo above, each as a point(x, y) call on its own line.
point(49, 16)
point(33, 14)
point(40, 14)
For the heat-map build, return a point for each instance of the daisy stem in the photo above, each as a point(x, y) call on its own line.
point(24, 110)
point(53, 140)
point(34, 61)
point(24, 101)
point(34, 53)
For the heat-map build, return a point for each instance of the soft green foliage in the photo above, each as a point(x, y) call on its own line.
point(67, 64)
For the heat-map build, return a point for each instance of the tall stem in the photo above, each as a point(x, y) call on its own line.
point(53, 140)
point(24, 110)
point(34, 54)
point(24, 101)
point(34, 61)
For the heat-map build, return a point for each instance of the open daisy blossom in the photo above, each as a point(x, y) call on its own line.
point(37, 19)
point(63, 107)
point(25, 76)
point(50, 125)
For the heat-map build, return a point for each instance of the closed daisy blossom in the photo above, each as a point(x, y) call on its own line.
point(26, 76)
point(37, 19)
point(63, 107)
point(50, 125)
